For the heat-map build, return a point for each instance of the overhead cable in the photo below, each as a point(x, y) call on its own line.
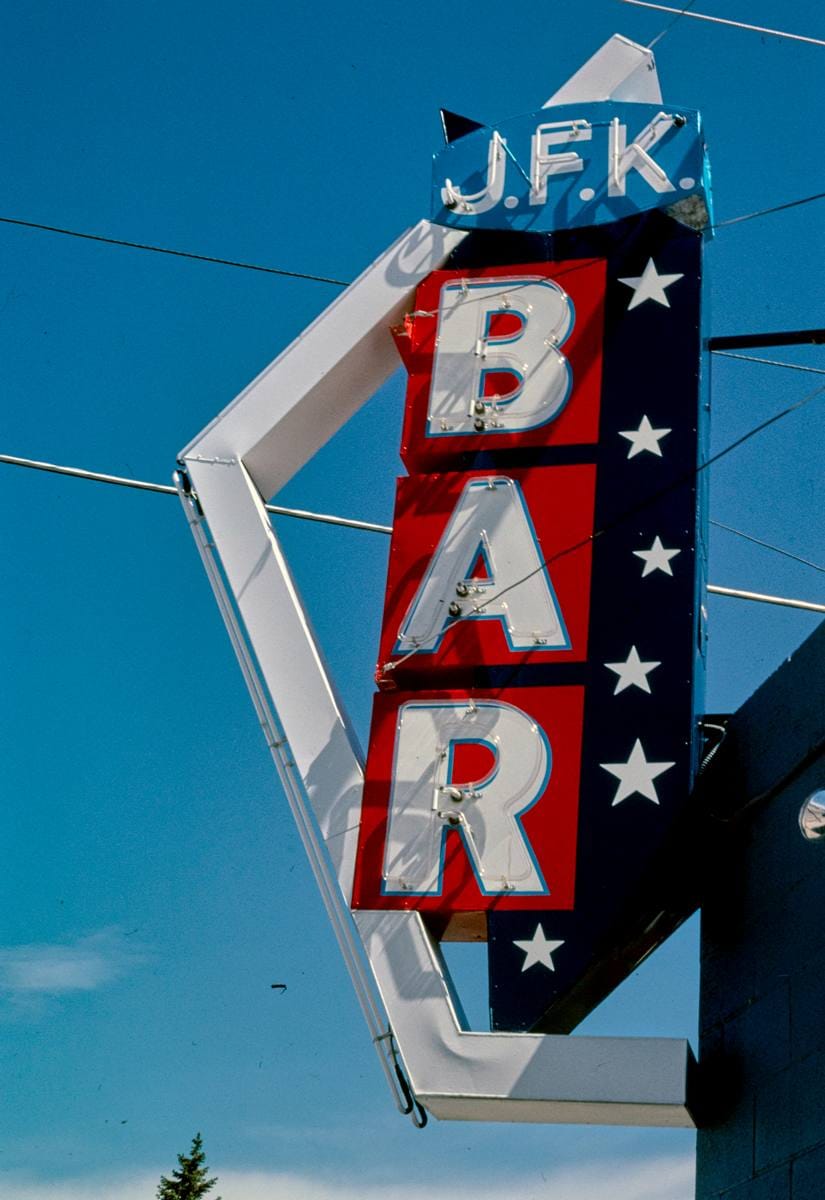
point(683, 12)
point(765, 212)
point(224, 262)
point(770, 362)
point(168, 490)
point(709, 462)
point(670, 24)
point(613, 524)
point(305, 514)
point(367, 526)
point(247, 266)
point(785, 412)
point(748, 537)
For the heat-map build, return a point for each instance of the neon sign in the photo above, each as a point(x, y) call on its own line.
point(591, 164)
point(534, 734)
point(543, 572)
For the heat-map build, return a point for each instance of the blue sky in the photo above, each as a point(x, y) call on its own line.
point(152, 886)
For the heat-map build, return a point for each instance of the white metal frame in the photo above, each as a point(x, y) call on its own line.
point(241, 459)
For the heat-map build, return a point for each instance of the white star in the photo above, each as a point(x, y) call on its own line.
point(633, 672)
point(538, 950)
point(644, 438)
point(650, 285)
point(636, 775)
point(656, 558)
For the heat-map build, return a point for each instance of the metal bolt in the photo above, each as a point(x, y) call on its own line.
point(478, 424)
point(461, 589)
point(455, 609)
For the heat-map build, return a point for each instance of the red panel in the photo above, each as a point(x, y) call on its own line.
point(550, 825)
point(560, 503)
point(578, 422)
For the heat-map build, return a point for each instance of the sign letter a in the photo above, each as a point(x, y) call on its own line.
point(490, 527)
point(424, 802)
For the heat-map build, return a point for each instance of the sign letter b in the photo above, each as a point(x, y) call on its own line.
point(498, 365)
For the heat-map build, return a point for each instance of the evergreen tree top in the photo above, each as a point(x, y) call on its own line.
point(189, 1181)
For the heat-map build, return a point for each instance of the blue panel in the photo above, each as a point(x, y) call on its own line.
point(498, 178)
point(652, 369)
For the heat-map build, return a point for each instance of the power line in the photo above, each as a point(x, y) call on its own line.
point(715, 344)
point(794, 37)
point(670, 25)
point(764, 212)
point(283, 272)
point(224, 262)
point(767, 545)
point(372, 527)
point(785, 412)
point(770, 362)
point(617, 521)
point(168, 490)
point(302, 514)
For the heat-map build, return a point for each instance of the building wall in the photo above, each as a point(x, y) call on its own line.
point(761, 1103)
